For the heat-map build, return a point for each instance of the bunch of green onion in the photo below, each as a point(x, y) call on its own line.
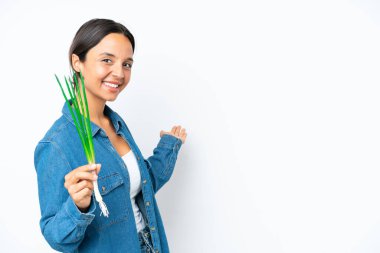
point(81, 118)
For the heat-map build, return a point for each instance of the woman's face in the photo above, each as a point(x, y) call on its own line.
point(107, 67)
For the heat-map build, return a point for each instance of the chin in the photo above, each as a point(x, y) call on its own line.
point(111, 99)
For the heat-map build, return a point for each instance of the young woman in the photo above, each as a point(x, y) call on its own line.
point(71, 220)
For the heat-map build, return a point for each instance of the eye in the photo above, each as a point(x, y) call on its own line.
point(127, 65)
point(107, 60)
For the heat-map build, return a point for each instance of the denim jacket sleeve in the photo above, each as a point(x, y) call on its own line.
point(62, 223)
point(161, 163)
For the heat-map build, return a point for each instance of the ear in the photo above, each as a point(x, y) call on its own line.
point(76, 63)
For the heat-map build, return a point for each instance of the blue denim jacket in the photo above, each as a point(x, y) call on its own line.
point(63, 225)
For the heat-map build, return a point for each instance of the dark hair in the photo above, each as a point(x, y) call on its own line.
point(92, 32)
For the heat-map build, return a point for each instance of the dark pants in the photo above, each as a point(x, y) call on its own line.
point(145, 241)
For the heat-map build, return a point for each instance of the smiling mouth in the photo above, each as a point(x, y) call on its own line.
point(111, 85)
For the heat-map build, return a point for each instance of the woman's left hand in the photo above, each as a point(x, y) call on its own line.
point(176, 131)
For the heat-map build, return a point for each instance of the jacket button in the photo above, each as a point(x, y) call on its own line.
point(147, 203)
point(103, 188)
point(144, 181)
point(138, 158)
point(152, 228)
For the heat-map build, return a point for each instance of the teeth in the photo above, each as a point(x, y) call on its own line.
point(111, 85)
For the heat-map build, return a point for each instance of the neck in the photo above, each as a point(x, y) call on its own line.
point(96, 109)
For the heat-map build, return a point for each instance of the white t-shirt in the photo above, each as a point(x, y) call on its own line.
point(135, 182)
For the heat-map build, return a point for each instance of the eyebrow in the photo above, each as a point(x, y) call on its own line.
point(109, 54)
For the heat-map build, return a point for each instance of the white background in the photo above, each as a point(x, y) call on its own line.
point(280, 100)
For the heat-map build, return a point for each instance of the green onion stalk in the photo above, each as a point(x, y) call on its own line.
point(81, 117)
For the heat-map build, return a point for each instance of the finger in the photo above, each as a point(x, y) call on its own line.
point(163, 132)
point(177, 130)
point(87, 167)
point(98, 168)
point(81, 195)
point(82, 175)
point(75, 188)
point(183, 138)
point(183, 135)
point(173, 130)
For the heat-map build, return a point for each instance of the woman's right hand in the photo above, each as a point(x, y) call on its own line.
point(79, 184)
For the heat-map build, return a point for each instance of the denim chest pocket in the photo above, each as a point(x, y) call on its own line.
point(113, 191)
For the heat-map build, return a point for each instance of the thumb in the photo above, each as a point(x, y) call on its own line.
point(98, 166)
point(162, 133)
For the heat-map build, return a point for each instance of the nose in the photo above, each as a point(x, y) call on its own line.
point(118, 71)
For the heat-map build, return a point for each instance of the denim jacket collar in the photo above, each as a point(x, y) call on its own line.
point(115, 119)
